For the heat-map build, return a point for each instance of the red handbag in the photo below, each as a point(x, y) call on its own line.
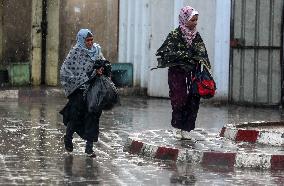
point(203, 84)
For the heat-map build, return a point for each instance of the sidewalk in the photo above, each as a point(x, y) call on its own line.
point(205, 148)
point(32, 151)
point(223, 147)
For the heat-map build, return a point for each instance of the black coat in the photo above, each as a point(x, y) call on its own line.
point(75, 113)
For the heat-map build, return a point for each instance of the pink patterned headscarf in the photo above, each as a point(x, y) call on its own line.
point(186, 13)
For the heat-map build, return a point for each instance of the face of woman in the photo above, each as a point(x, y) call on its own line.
point(191, 24)
point(89, 41)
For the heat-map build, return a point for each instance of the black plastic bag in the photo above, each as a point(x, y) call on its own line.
point(103, 63)
point(102, 94)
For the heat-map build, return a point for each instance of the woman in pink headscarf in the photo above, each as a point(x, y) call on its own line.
point(182, 51)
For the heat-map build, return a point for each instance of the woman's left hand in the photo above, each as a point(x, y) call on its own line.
point(100, 71)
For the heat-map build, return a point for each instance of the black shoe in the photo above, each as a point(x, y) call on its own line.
point(89, 150)
point(90, 153)
point(68, 144)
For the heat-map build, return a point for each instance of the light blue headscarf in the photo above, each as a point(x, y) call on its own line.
point(79, 64)
point(81, 37)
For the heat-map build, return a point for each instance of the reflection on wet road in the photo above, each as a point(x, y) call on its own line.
point(32, 150)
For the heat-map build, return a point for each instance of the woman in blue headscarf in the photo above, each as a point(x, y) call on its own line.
point(77, 70)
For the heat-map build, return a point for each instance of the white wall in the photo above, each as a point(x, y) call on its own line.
point(141, 34)
point(134, 38)
point(162, 20)
point(222, 48)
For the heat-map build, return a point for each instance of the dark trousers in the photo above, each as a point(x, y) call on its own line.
point(184, 105)
point(77, 118)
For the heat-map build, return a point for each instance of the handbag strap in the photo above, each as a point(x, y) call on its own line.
point(203, 65)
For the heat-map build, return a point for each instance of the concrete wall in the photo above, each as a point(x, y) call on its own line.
point(1, 32)
point(36, 42)
point(101, 16)
point(64, 19)
point(161, 17)
point(21, 32)
point(45, 73)
point(16, 35)
point(52, 44)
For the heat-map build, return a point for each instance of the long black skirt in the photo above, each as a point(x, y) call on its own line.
point(77, 118)
point(185, 106)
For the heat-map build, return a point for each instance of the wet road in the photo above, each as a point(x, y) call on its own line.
point(32, 150)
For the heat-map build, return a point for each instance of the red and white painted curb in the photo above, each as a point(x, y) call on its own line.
point(208, 158)
point(253, 136)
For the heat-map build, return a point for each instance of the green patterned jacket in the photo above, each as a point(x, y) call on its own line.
point(174, 51)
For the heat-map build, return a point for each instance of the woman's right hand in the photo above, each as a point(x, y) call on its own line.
point(100, 71)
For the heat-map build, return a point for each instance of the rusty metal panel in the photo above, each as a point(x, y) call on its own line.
point(16, 35)
point(248, 76)
point(101, 16)
point(237, 10)
point(262, 77)
point(236, 74)
point(1, 33)
point(255, 75)
point(248, 22)
point(275, 83)
point(263, 28)
point(277, 23)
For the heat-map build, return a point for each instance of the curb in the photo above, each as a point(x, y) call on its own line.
point(39, 92)
point(9, 94)
point(30, 92)
point(253, 136)
point(206, 158)
point(58, 92)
